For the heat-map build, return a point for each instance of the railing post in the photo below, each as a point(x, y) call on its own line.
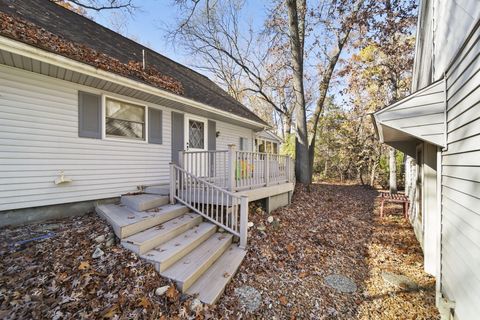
point(267, 169)
point(173, 182)
point(232, 155)
point(287, 173)
point(243, 221)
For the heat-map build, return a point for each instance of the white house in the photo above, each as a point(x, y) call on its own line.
point(438, 126)
point(87, 115)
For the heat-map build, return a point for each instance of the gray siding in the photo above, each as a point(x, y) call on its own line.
point(443, 27)
point(421, 115)
point(460, 252)
point(39, 138)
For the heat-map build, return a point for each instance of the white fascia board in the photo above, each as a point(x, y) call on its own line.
point(32, 52)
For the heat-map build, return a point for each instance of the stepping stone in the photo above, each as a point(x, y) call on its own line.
point(399, 281)
point(249, 298)
point(341, 283)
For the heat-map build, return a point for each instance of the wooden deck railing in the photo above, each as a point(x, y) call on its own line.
point(226, 209)
point(238, 170)
point(206, 182)
point(208, 165)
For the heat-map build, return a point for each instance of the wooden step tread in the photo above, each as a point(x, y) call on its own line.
point(212, 283)
point(126, 221)
point(188, 269)
point(143, 202)
point(171, 251)
point(153, 237)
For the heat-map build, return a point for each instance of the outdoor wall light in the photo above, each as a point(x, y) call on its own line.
point(217, 134)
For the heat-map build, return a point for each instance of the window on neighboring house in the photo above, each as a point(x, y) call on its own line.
point(123, 119)
point(275, 148)
point(268, 148)
point(243, 144)
point(261, 145)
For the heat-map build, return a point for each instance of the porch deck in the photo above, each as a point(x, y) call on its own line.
point(219, 184)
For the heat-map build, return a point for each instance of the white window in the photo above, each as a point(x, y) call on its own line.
point(124, 119)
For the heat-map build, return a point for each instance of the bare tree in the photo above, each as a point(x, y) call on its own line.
point(99, 5)
point(245, 62)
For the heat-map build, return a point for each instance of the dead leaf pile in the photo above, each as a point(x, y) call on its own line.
point(57, 278)
point(334, 230)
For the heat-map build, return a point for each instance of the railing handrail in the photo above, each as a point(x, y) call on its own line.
point(235, 220)
point(212, 185)
point(203, 151)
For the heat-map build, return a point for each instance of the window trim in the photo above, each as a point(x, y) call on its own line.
point(123, 139)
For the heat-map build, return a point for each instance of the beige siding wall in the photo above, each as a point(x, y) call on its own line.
point(39, 137)
point(460, 260)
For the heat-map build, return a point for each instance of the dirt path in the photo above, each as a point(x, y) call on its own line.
point(330, 237)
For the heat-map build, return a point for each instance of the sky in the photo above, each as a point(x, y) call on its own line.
point(150, 20)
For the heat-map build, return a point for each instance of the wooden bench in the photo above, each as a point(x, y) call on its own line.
point(396, 198)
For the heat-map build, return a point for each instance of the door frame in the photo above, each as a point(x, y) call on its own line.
point(189, 117)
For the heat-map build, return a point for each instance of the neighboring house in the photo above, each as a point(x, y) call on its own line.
point(438, 127)
point(87, 114)
point(267, 141)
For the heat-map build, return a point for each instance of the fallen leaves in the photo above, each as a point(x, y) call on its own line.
point(286, 264)
point(290, 248)
point(335, 229)
point(84, 265)
point(55, 277)
point(172, 293)
point(144, 302)
point(283, 300)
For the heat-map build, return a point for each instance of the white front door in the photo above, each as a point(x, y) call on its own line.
point(196, 140)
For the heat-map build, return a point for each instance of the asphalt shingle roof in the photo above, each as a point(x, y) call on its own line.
point(76, 28)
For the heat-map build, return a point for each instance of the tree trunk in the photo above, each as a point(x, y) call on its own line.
point(392, 170)
point(287, 125)
point(373, 173)
point(325, 169)
point(296, 18)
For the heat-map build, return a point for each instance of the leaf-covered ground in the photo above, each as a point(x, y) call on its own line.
point(334, 230)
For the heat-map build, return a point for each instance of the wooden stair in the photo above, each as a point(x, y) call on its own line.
point(179, 243)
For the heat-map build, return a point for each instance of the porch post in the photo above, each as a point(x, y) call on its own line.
point(231, 167)
point(288, 168)
point(267, 169)
point(243, 221)
point(173, 182)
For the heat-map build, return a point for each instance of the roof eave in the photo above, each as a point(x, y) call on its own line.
point(33, 52)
